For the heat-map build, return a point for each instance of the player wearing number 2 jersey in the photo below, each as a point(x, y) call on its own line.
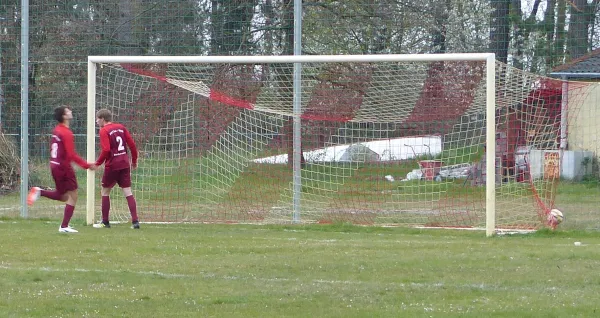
point(114, 140)
point(62, 154)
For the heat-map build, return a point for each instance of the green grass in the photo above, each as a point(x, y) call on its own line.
point(197, 189)
point(292, 271)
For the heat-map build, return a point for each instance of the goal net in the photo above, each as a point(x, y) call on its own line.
point(398, 140)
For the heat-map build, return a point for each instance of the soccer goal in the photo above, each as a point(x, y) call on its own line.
point(432, 140)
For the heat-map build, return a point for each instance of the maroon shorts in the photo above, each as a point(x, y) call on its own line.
point(121, 177)
point(64, 179)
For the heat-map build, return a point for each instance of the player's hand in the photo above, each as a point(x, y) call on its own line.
point(93, 167)
point(134, 165)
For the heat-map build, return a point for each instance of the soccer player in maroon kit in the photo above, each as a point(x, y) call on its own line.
point(62, 154)
point(114, 140)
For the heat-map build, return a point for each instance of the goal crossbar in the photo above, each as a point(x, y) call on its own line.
point(296, 58)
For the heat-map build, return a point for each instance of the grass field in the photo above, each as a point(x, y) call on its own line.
point(293, 271)
point(578, 200)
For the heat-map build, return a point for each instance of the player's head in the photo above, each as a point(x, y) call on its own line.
point(103, 117)
point(62, 113)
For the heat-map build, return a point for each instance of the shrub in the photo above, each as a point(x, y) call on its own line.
point(10, 161)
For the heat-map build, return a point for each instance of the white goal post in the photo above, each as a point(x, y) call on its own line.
point(95, 63)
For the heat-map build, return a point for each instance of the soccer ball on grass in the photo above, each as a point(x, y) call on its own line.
point(555, 217)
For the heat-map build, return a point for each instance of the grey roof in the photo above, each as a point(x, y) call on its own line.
point(587, 66)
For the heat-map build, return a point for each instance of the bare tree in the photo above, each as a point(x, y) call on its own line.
point(578, 28)
point(440, 18)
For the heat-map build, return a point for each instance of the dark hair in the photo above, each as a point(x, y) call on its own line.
point(59, 112)
point(104, 114)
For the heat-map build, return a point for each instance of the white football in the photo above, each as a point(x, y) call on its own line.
point(556, 216)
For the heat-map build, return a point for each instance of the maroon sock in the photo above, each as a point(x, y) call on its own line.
point(132, 208)
point(68, 215)
point(54, 195)
point(105, 208)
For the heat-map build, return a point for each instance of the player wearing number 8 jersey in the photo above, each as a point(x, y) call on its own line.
point(62, 154)
point(114, 140)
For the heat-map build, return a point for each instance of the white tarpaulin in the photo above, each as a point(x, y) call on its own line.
point(380, 150)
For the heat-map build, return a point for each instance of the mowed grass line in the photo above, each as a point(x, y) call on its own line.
point(292, 271)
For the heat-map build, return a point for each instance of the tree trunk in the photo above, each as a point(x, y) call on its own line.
point(578, 29)
point(128, 44)
point(269, 19)
point(559, 43)
point(499, 29)
point(439, 32)
point(517, 22)
point(549, 25)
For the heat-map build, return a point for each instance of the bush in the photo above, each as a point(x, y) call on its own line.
point(10, 161)
point(39, 174)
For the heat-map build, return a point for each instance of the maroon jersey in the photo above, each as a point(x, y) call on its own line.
point(114, 140)
point(62, 149)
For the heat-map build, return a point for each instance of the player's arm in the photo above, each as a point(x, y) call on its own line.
point(132, 147)
point(69, 142)
point(105, 146)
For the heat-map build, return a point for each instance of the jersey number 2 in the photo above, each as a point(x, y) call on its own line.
point(120, 142)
